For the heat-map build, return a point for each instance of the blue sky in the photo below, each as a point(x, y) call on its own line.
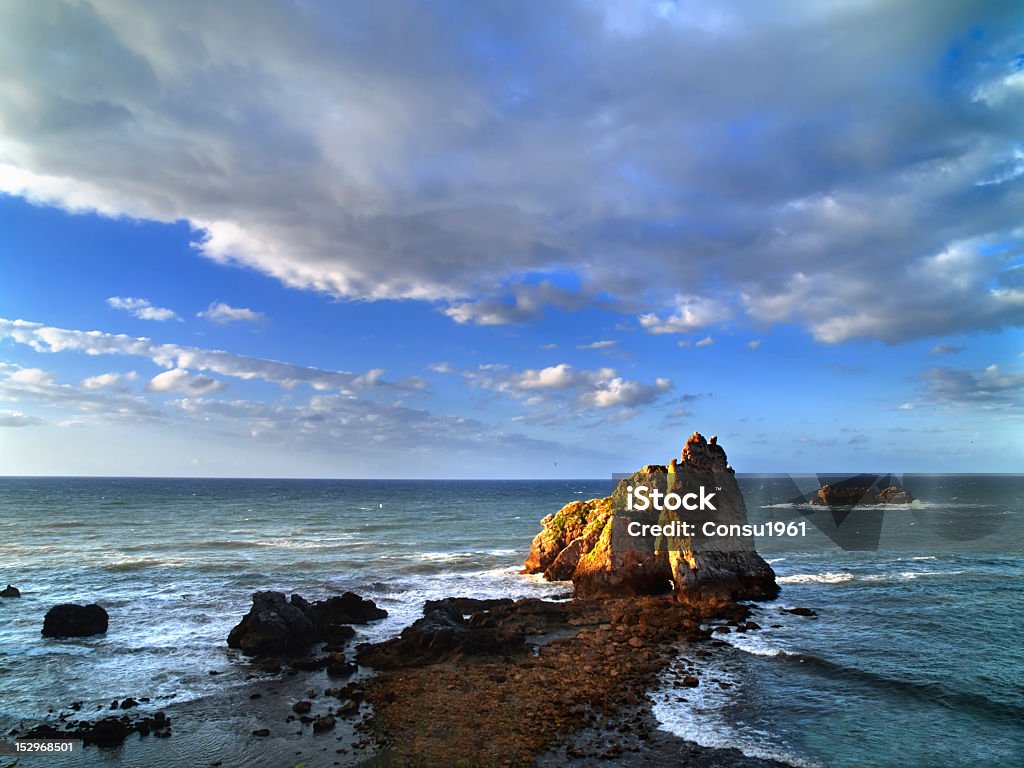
point(483, 240)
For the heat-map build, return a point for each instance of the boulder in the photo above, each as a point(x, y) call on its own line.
point(273, 625)
point(71, 620)
point(441, 635)
point(895, 495)
point(10, 591)
point(853, 495)
point(276, 624)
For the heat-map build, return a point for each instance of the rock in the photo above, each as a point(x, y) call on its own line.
point(579, 519)
point(323, 724)
point(302, 707)
point(690, 681)
point(71, 620)
point(853, 495)
point(128, 703)
point(10, 591)
point(799, 611)
point(276, 625)
point(349, 608)
point(466, 605)
point(441, 635)
point(895, 495)
point(107, 732)
point(272, 626)
point(592, 543)
point(261, 732)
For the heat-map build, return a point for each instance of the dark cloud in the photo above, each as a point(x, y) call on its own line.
point(854, 167)
point(990, 388)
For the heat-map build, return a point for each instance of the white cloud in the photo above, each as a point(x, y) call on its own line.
point(142, 308)
point(18, 419)
point(180, 380)
point(605, 344)
point(109, 381)
point(31, 376)
point(691, 313)
point(707, 341)
point(49, 339)
point(753, 344)
point(413, 166)
point(559, 385)
point(219, 312)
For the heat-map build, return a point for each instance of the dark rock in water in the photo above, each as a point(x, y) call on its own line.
point(128, 703)
point(595, 545)
point(349, 608)
point(799, 611)
point(70, 620)
point(107, 732)
point(323, 724)
point(273, 625)
point(10, 591)
point(439, 636)
point(276, 625)
point(302, 707)
point(859, 496)
point(466, 605)
point(690, 681)
point(261, 732)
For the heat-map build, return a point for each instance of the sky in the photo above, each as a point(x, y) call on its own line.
point(503, 240)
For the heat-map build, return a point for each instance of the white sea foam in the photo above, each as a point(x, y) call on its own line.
point(700, 718)
point(829, 577)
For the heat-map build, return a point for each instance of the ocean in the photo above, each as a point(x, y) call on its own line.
point(914, 657)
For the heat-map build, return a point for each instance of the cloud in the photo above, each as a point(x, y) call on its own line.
point(109, 381)
point(31, 376)
point(180, 380)
point(375, 152)
point(598, 344)
point(707, 341)
point(691, 314)
point(219, 312)
point(49, 339)
point(18, 419)
point(753, 344)
point(142, 309)
point(989, 389)
point(562, 384)
point(945, 349)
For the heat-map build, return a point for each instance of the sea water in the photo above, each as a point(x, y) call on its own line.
point(915, 657)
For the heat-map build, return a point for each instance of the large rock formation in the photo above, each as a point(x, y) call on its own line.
point(605, 548)
point(276, 625)
point(70, 620)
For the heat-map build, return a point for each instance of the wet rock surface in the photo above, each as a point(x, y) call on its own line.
point(279, 625)
point(71, 620)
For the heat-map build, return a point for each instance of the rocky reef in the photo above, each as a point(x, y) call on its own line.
point(609, 548)
point(858, 495)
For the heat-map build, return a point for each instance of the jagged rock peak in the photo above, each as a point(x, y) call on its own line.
point(705, 455)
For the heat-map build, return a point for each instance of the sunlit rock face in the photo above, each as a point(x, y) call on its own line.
point(605, 548)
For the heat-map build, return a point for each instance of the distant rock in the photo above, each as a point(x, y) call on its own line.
point(799, 611)
point(593, 542)
point(277, 625)
point(71, 620)
point(857, 496)
point(10, 591)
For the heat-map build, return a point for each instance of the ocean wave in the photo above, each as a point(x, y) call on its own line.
point(140, 563)
point(751, 642)
point(698, 715)
point(829, 577)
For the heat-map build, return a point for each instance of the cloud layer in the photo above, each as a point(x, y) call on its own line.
point(852, 167)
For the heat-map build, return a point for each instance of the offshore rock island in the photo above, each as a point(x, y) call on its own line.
point(590, 542)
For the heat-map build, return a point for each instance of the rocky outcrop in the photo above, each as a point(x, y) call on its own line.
point(71, 620)
point(857, 495)
point(277, 625)
point(10, 591)
point(441, 635)
point(605, 548)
